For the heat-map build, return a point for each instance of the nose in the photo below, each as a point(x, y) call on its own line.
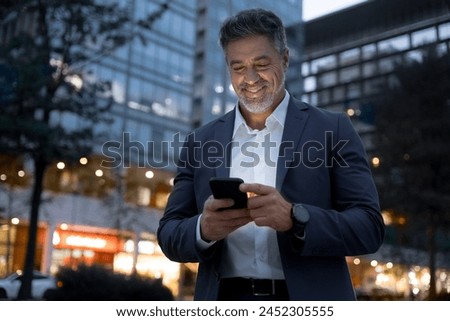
point(251, 76)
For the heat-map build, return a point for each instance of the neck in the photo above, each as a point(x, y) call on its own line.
point(256, 120)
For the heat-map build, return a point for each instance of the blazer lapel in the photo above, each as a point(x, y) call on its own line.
point(294, 124)
point(293, 128)
point(223, 133)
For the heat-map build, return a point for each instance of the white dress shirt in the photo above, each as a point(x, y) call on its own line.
point(252, 251)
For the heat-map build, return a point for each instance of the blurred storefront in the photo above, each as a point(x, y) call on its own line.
point(70, 246)
point(396, 274)
point(85, 223)
point(90, 215)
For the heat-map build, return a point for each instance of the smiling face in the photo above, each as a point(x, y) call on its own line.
point(257, 72)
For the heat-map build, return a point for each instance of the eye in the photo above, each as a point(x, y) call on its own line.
point(238, 68)
point(262, 66)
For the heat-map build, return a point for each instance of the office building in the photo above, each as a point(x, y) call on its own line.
point(98, 214)
point(347, 55)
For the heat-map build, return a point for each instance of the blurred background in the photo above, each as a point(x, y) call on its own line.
point(96, 98)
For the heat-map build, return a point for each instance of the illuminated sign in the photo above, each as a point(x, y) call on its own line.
point(80, 240)
point(83, 241)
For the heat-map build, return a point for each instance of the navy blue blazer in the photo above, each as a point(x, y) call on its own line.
point(322, 164)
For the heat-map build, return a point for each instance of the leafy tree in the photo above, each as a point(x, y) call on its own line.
point(44, 47)
point(412, 137)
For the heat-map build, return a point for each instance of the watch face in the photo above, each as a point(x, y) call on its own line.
point(301, 214)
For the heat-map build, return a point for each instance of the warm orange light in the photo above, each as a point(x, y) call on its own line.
point(375, 162)
point(81, 240)
point(401, 220)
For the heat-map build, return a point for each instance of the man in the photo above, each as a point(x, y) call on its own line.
point(312, 198)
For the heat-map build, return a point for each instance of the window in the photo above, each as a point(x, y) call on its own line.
point(305, 69)
point(394, 44)
point(349, 74)
point(305, 98)
point(386, 65)
point(134, 90)
point(324, 97)
point(372, 86)
point(369, 69)
point(414, 55)
point(369, 51)
point(444, 31)
point(118, 87)
point(327, 62)
point(314, 99)
point(310, 84)
point(327, 79)
point(424, 36)
point(338, 93)
point(349, 56)
point(353, 91)
point(442, 48)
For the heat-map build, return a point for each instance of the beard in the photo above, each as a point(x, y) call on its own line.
point(261, 104)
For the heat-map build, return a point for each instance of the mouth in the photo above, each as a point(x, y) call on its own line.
point(253, 92)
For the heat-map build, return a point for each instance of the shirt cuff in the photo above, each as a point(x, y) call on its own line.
point(201, 244)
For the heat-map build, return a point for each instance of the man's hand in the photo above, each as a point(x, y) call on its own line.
point(216, 224)
point(267, 207)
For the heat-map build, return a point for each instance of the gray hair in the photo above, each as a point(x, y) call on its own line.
point(254, 22)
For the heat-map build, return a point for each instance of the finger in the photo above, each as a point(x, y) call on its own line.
point(256, 202)
point(238, 222)
point(235, 214)
point(214, 204)
point(256, 188)
point(260, 221)
point(259, 201)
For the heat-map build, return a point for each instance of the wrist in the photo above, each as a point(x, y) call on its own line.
point(300, 218)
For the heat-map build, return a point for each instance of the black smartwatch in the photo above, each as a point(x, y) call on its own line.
point(300, 217)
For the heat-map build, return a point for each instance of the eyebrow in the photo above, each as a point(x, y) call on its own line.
point(233, 62)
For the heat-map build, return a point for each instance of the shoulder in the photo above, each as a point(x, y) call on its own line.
point(207, 130)
point(317, 113)
point(322, 112)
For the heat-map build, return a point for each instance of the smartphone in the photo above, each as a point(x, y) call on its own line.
point(229, 188)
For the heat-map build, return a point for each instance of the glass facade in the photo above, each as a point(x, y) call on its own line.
point(123, 186)
point(348, 55)
point(346, 76)
point(162, 85)
point(152, 79)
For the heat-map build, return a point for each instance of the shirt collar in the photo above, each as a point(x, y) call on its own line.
point(278, 115)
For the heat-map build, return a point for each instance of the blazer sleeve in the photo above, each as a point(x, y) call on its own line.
point(353, 225)
point(177, 228)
